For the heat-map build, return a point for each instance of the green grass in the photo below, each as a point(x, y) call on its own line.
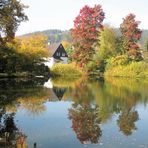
point(68, 70)
point(14, 75)
point(132, 70)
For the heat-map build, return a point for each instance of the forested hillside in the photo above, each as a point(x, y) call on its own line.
point(144, 36)
point(56, 35)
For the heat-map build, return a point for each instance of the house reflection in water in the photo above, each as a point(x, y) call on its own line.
point(57, 93)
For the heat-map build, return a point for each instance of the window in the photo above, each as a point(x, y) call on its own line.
point(58, 54)
point(63, 54)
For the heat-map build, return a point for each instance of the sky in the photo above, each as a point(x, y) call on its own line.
point(60, 14)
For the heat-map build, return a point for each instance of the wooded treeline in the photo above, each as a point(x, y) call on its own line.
point(19, 56)
point(57, 35)
point(92, 45)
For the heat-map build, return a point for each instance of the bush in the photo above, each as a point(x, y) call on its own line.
point(118, 60)
point(65, 70)
point(95, 67)
point(133, 70)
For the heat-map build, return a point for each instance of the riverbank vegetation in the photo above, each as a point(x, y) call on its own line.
point(23, 56)
point(100, 51)
point(133, 70)
point(95, 47)
point(68, 70)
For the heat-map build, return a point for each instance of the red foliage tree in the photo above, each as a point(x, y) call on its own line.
point(85, 32)
point(131, 34)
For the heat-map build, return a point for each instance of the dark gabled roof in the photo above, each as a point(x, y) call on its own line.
point(60, 52)
point(59, 92)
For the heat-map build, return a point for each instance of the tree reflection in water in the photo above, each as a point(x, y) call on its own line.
point(93, 103)
point(84, 116)
point(10, 136)
point(14, 93)
point(85, 123)
point(126, 121)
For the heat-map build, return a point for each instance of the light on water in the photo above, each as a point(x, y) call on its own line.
point(68, 114)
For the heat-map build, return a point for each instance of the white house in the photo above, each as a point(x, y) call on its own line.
point(59, 56)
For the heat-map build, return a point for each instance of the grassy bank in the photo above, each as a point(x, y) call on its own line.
point(132, 70)
point(68, 70)
point(23, 75)
point(14, 75)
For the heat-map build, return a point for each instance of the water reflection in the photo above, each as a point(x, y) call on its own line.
point(96, 103)
point(29, 94)
point(10, 135)
point(93, 104)
point(127, 120)
point(85, 123)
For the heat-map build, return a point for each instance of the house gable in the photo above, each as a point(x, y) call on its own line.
point(60, 52)
point(59, 92)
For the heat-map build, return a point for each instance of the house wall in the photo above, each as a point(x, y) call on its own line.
point(53, 61)
point(65, 60)
point(50, 62)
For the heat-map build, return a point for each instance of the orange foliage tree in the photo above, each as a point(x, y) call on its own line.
point(131, 35)
point(85, 33)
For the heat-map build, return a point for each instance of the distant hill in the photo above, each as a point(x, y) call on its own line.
point(56, 35)
point(144, 36)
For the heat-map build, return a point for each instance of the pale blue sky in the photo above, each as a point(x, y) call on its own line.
point(59, 14)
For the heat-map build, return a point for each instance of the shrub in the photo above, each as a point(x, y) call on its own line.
point(118, 60)
point(95, 67)
point(65, 70)
point(133, 70)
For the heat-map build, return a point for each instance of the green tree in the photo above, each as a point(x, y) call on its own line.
point(107, 41)
point(11, 15)
point(107, 48)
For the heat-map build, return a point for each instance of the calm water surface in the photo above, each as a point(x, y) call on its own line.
point(57, 113)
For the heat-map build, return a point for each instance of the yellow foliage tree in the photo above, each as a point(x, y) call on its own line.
point(33, 46)
point(65, 44)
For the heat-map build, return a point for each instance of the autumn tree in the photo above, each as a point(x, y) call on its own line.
point(131, 35)
point(34, 46)
point(68, 47)
point(85, 33)
point(11, 15)
point(25, 54)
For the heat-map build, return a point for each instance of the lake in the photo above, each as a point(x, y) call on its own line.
point(74, 113)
